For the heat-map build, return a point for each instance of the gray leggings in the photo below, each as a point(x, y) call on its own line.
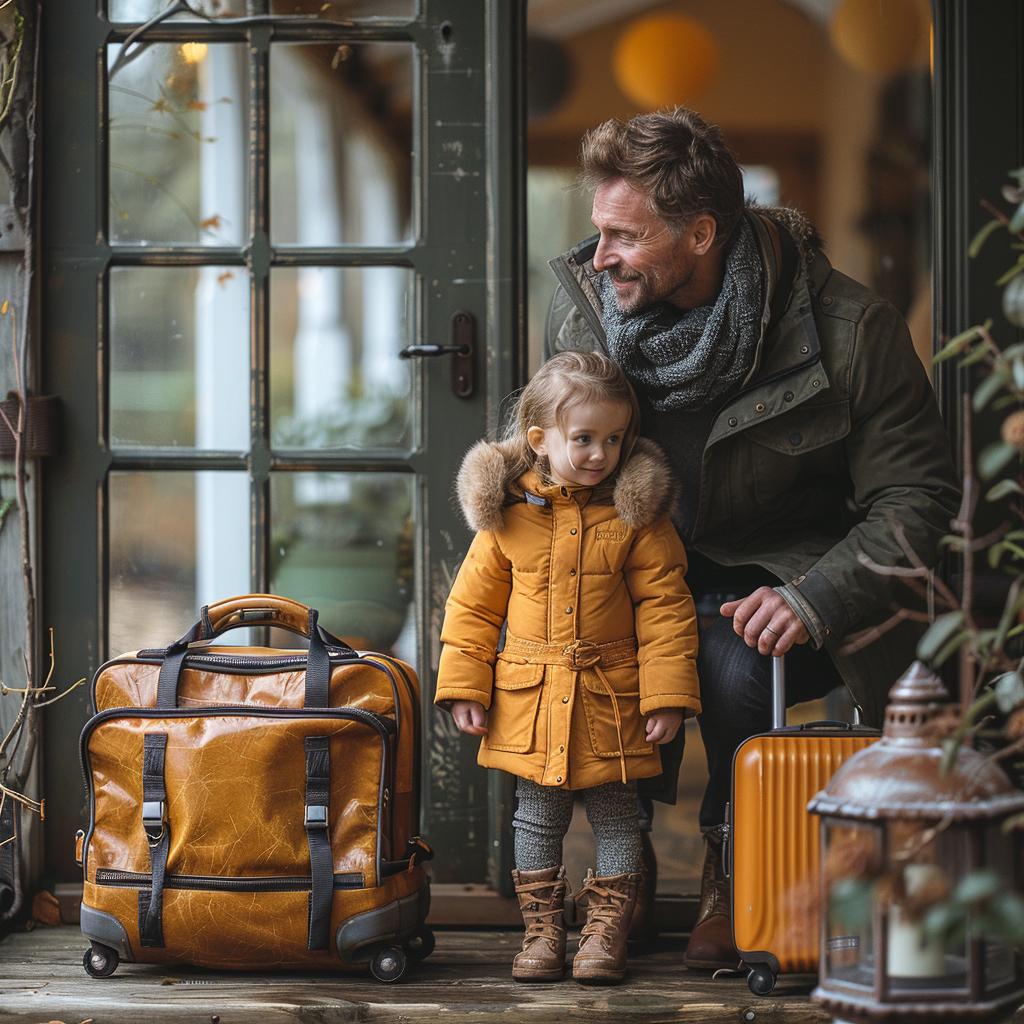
point(543, 815)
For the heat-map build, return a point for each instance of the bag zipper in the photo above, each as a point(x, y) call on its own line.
point(224, 883)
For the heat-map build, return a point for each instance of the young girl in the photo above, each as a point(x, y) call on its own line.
point(574, 550)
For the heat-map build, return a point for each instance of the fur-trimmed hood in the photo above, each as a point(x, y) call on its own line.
point(644, 487)
point(803, 232)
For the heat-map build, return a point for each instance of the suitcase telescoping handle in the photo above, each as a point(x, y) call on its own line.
point(778, 692)
point(256, 610)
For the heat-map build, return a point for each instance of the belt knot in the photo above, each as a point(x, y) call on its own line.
point(581, 654)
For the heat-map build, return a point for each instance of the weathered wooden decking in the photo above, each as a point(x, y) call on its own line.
point(466, 980)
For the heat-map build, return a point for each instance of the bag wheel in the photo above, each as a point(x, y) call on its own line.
point(760, 980)
point(100, 961)
point(388, 964)
point(419, 945)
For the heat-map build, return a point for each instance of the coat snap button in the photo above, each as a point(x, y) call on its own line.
point(572, 572)
point(565, 700)
point(815, 383)
point(565, 492)
point(788, 396)
point(796, 439)
point(804, 349)
point(568, 611)
point(559, 779)
point(826, 300)
point(561, 750)
point(760, 407)
point(732, 421)
point(573, 531)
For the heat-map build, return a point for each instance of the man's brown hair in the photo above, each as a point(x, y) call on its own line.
point(675, 159)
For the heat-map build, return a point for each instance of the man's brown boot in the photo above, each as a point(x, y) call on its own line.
point(541, 899)
point(710, 946)
point(642, 928)
point(601, 959)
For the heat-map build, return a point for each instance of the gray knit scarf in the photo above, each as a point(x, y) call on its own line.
point(685, 359)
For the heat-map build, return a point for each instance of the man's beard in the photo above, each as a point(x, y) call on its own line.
point(649, 289)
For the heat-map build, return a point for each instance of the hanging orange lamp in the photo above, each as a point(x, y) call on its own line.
point(663, 59)
point(880, 38)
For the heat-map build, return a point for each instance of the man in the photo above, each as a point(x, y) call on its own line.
point(796, 415)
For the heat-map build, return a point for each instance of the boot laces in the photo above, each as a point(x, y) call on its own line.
point(604, 910)
point(543, 920)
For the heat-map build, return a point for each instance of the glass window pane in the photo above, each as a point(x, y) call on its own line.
point(175, 545)
point(341, 144)
point(347, 10)
point(336, 379)
point(143, 10)
point(179, 357)
point(343, 544)
point(178, 144)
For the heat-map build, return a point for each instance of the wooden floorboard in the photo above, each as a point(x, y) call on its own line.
point(466, 980)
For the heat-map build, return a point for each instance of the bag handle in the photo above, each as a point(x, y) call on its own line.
point(256, 610)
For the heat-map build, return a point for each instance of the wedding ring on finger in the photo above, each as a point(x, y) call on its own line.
point(768, 629)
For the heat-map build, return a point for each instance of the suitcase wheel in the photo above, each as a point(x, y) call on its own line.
point(419, 945)
point(760, 980)
point(100, 961)
point(388, 964)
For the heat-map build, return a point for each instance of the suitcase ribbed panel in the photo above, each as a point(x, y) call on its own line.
point(776, 840)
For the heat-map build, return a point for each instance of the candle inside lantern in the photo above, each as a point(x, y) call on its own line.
point(910, 954)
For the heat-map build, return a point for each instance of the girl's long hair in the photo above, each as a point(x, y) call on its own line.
point(566, 380)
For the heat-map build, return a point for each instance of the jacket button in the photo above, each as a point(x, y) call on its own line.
point(565, 700)
point(565, 492)
point(788, 396)
point(826, 300)
point(572, 572)
point(573, 531)
point(815, 383)
point(561, 750)
point(732, 421)
point(760, 407)
point(804, 349)
point(559, 779)
point(796, 439)
point(568, 611)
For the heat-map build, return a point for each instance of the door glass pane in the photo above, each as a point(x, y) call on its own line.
point(336, 379)
point(343, 543)
point(347, 10)
point(143, 10)
point(178, 540)
point(179, 357)
point(178, 144)
point(341, 144)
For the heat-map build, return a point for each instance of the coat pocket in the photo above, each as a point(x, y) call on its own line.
point(512, 718)
point(600, 712)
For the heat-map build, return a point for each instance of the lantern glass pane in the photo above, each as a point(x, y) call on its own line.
point(925, 868)
point(851, 854)
point(1001, 962)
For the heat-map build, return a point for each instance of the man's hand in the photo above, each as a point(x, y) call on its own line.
point(766, 621)
point(663, 725)
point(470, 717)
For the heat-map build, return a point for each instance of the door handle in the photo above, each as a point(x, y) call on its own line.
point(462, 350)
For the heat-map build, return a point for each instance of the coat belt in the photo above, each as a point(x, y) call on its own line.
point(580, 656)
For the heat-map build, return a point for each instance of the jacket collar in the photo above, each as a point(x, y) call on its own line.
point(644, 489)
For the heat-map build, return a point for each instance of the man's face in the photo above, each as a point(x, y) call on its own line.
point(645, 263)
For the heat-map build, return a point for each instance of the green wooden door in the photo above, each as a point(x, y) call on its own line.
point(250, 209)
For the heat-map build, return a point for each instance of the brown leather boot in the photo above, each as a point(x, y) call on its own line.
point(601, 959)
point(642, 928)
point(541, 899)
point(710, 946)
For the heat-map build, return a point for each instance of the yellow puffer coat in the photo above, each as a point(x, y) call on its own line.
point(602, 629)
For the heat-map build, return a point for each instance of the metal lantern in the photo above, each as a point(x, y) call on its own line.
point(898, 831)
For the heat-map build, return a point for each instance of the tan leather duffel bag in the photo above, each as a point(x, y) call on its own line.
point(253, 806)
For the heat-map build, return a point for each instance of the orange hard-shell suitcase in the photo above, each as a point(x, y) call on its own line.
point(772, 843)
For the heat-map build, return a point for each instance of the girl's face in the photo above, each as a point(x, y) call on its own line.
point(585, 450)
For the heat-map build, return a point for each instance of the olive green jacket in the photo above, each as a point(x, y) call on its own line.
point(834, 435)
